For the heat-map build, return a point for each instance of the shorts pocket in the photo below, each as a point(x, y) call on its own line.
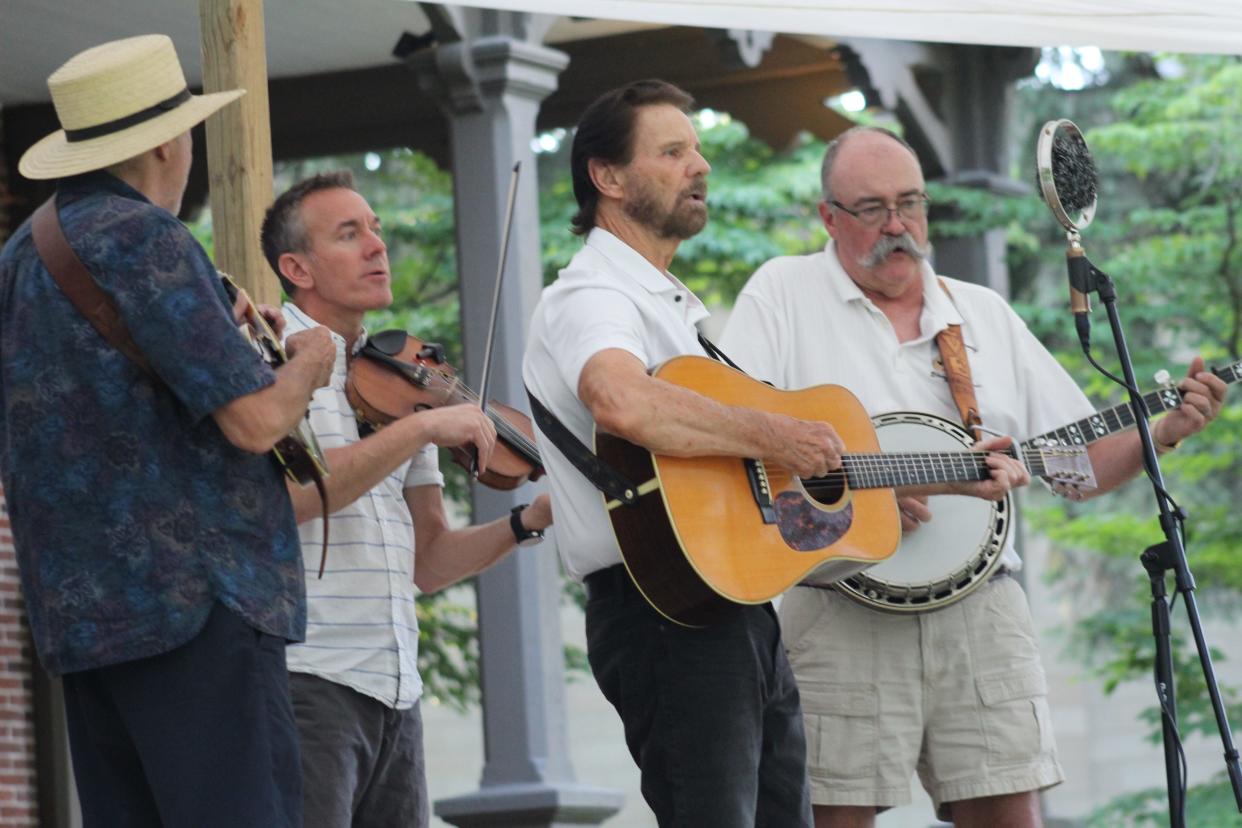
point(841, 729)
point(801, 611)
point(1017, 721)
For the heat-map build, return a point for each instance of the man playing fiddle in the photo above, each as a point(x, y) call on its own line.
point(355, 681)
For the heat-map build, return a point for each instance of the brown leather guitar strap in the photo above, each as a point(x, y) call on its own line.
point(75, 282)
point(957, 372)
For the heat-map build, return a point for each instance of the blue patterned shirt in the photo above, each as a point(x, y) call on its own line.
point(131, 513)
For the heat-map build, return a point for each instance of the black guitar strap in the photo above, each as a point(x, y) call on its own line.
point(600, 475)
point(717, 354)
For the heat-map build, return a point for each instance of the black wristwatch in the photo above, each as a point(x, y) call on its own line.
point(523, 536)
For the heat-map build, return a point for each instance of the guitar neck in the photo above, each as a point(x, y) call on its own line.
point(1121, 417)
point(888, 470)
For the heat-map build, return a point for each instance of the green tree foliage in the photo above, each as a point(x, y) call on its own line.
point(1166, 135)
point(1171, 170)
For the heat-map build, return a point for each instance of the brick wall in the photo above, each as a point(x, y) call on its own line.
point(18, 802)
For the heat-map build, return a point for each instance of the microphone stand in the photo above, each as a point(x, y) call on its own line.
point(1159, 559)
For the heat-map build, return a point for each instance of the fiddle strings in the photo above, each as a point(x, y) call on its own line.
point(512, 435)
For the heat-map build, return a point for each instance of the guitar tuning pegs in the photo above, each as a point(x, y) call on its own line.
point(1162, 378)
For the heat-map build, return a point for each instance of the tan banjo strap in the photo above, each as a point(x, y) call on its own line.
point(957, 372)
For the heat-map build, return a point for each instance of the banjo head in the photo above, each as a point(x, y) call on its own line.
point(951, 555)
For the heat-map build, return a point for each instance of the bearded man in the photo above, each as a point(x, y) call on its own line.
point(711, 714)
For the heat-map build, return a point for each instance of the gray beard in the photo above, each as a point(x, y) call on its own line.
point(675, 224)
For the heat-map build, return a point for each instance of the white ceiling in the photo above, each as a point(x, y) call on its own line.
point(310, 36)
point(1211, 26)
point(303, 36)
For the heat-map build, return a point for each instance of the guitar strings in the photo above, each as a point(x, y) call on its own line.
point(878, 470)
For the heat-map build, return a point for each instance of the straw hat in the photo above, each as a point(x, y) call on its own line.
point(116, 101)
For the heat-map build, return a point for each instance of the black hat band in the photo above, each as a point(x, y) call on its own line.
point(86, 133)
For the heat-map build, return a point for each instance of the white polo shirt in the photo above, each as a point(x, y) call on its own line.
point(802, 321)
point(608, 297)
point(361, 624)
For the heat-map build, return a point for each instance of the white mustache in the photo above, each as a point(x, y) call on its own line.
point(891, 244)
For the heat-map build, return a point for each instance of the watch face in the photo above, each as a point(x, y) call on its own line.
point(533, 540)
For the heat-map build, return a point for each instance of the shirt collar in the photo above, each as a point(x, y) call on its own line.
point(297, 319)
point(77, 186)
point(631, 263)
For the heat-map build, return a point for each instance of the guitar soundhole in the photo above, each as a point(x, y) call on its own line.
point(805, 528)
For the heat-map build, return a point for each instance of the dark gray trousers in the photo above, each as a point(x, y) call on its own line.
point(362, 761)
point(711, 715)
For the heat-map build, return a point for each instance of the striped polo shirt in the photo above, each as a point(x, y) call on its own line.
point(361, 627)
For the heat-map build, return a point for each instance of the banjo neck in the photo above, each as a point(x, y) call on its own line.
point(1120, 417)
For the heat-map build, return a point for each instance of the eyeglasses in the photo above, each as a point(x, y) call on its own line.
point(912, 208)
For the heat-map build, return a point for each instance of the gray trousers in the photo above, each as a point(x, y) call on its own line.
point(362, 761)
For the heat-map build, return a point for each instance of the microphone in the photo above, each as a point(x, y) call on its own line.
point(1073, 171)
point(1068, 182)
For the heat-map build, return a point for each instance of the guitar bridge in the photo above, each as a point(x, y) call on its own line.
point(760, 490)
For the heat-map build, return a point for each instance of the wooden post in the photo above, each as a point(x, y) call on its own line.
point(239, 141)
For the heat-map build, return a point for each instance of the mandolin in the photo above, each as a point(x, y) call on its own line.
point(298, 453)
point(708, 532)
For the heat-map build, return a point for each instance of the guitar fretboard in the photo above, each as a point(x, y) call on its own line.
point(883, 471)
point(1120, 417)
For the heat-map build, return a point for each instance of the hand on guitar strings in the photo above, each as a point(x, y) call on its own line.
point(809, 448)
point(315, 343)
point(275, 317)
point(1007, 471)
point(272, 314)
point(1203, 394)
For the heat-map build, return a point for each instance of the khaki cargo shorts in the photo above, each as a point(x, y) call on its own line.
point(957, 694)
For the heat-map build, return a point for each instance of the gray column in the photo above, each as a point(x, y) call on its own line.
point(490, 74)
point(976, 101)
point(953, 103)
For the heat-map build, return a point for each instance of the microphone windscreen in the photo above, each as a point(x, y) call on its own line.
point(1073, 171)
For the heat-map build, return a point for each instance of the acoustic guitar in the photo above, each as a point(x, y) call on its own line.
point(710, 532)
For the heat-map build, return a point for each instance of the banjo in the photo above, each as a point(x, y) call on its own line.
point(959, 549)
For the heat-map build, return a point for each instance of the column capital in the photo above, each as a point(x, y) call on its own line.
point(486, 54)
point(465, 74)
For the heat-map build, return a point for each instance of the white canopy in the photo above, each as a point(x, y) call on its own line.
point(1210, 26)
point(309, 36)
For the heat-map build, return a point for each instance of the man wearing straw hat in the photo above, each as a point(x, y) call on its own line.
point(158, 551)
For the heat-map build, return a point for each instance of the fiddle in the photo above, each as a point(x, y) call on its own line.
point(396, 374)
